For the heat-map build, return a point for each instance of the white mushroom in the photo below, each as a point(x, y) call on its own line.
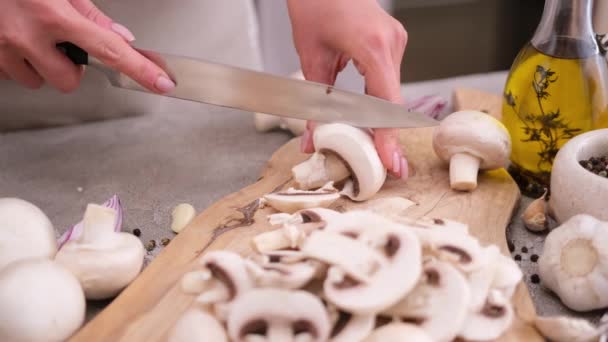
point(470, 141)
point(346, 327)
point(507, 276)
point(491, 321)
point(390, 207)
point(400, 256)
point(438, 304)
point(25, 232)
point(276, 315)
point(40, 302)
point(292, 200)
point(462, 250)
point(398, 332)
point(282, 275)
point(104, 261)
point(319, 169)
point(197, 325)
point(567, 329)
point(357, 151)
point(481, 279)
point(574, 263)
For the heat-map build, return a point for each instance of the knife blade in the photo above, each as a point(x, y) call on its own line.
point(253, 91)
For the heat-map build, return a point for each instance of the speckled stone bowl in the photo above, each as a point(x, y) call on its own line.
point(574, 189)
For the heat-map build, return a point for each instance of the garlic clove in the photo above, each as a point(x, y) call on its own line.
point(535, 216)
point(566, 329)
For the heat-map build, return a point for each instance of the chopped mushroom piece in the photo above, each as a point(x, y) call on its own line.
point(276, 315)
point(292, 200)
point(438, 304)
point(103, 260)
point(464, 251)
point(399, 332)
point(282, 275)
point(574, 263)
point(197, 325)
point(320, 169)
point(491, 321)
point(356, 149)
point(470, 141)
point(347, 327)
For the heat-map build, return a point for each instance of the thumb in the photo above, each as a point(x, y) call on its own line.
point(87, 9)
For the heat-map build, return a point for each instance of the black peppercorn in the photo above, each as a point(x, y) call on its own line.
point(535, 279)
point(534, 257)
point(524, 249)
point(517, 257)
point(137, 232)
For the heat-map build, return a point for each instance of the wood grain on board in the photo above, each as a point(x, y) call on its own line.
point(149, 307)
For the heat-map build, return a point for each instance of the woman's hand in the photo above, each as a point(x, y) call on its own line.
point(30, 30)
point(327, 34)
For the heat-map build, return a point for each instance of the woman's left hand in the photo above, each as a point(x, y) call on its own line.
point(328, 34)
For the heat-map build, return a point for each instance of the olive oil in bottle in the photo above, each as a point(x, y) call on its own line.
point(557, 88)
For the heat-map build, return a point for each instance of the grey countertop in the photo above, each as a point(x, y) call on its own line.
point(190, 153)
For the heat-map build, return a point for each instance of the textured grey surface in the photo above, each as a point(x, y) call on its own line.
point(193, 153)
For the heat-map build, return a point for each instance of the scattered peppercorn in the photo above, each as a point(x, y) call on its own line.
point(535, 279)
point(534, 257)
point(524, 249)
point(137, 232)
point(150, 245)
point(597, 165)
point(517, 257)
point(165, 241)
point(511, 246)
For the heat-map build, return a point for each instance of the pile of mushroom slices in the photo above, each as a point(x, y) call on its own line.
point(355, 276)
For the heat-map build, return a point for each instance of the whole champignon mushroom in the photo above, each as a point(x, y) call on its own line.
point(491, 321)
point(276, 315)
point(40, 301)
point(574, 263)
point(399, 332)
point(292, 200)
point(470, 141)
point(393, 252)
point(438, 304)
point(197, 325)
point(25, 232)
point(104, 261)
point(356, 150)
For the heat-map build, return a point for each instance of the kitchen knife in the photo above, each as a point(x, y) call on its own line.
point(253, 91)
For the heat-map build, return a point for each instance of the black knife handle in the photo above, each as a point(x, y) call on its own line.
point(74, 53)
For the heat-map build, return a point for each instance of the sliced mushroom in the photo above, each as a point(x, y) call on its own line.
point(438, 303)
point(389, 207)
point(197, 325)
point(282, 275)
point(470, 141)
point(292, 200)
point(567, 329)
point(346, 327)
point(277, 315)
point(398, 332)
point(481, 279)
point(356, 149)
point(489, 323)
point(425, 228)
point(289, 236)
point(507, 276)
point(401, 257)
point(464, 251)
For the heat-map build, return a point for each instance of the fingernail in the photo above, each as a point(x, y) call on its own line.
point(396, 163)
point(164, 84)
point(123, 32)
point(405, 170)
point(304, 141)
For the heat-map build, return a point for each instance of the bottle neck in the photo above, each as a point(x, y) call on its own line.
point(566, 29)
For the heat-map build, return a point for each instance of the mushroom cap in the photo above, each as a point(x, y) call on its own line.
point(105, 267)
point(475, 133)
point(197, 325)
point(25, 232)
point(356, 148)
point(41, 301)
point(585, 291)
point(398, 332)
point(278, 314)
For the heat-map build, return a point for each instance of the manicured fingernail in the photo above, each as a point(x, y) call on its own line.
point(396, 163)
point(164, 84)
point(304, 141)
point(404, 169)
point(123, 32)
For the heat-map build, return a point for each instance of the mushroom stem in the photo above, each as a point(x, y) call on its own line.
point(98, 223)
point(318, 170)
point(463, 171)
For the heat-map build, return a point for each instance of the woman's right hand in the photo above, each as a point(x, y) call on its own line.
point(30, 30)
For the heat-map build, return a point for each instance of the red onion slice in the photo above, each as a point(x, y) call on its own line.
point(76, 230)
point(431, 105)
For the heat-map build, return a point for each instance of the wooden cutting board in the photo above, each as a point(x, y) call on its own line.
point(148, 308)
